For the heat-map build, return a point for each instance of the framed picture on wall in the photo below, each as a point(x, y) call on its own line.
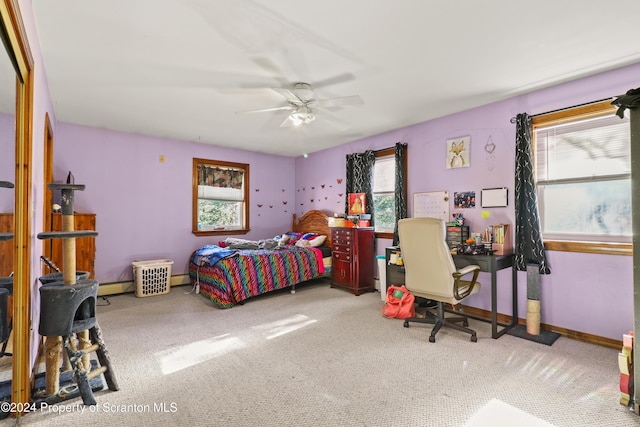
point(458, 152)
point(357, 203)
point(464, 200)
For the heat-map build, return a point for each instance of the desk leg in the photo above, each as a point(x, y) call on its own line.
point(514, 282)
point(494, 304)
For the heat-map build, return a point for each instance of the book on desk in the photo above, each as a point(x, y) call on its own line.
point(501, 241)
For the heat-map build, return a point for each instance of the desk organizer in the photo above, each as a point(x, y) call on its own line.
point(502, 239)
point(457, 235)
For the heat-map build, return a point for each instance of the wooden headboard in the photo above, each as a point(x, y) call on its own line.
point(313, 221)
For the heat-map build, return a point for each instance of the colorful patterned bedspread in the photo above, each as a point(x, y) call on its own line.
point(255, 272)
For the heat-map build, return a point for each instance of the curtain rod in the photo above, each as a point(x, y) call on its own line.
point(513, 119)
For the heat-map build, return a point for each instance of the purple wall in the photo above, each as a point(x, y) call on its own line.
point(143, 207)
point(585, 292)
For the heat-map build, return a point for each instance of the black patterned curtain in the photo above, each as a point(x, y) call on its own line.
point(630, 100)
point(529, 246)
point(360, 177)
point(400, 188)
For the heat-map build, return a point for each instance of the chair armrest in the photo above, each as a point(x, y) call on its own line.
point(466, 270)
point(464, 285)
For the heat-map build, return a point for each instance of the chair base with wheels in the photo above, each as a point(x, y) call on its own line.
point(66, 310)
point(439, 320)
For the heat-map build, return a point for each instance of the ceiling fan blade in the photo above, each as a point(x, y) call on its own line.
point(263, 110)
point(326, 116)
point(286, 123)
point(340, 78)
point(287, 94)
point(339, 102)
point(295, 58)
point(269, 66)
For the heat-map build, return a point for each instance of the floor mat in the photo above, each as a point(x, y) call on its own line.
point(545, 337)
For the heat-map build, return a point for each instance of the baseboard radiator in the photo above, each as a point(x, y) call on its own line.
point(115, 288)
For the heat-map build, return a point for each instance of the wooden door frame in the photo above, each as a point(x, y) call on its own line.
point(18, 47)
point(48, 194)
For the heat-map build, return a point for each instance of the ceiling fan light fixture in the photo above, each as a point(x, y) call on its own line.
point(302, 116)
point(303, 91)
point(303, 106)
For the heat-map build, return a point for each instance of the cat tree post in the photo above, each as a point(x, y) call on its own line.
point(53, 345)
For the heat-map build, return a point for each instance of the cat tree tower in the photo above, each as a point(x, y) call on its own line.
point(67, 308)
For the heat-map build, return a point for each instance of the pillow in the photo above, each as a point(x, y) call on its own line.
point(292, 237)
point(318, 240)
point(302, 243)
point(313, 243)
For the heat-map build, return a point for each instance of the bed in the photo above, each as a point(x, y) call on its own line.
point(232, 276)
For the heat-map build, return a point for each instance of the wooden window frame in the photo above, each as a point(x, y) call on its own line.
point(245, 227)
point(581, 112)
point(391, 151)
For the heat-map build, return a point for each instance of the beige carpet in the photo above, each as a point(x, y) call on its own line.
point(323, 357)
point(499, 414)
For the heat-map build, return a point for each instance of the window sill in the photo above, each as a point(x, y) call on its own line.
point(590, 247)
point(384, 235)
point(220, 232)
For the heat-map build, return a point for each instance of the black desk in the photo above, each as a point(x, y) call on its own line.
point(492, 264)
point(488, 263)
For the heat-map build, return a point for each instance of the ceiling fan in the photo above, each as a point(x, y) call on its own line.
point(304, 107)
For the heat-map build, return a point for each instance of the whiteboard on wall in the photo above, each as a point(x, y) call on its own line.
point(494, 198)
point(434, 204)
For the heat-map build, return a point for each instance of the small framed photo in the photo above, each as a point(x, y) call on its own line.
point(464, 200)
point(357, 204)
point(458, 152)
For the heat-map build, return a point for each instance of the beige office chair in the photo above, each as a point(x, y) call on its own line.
point(430, 273)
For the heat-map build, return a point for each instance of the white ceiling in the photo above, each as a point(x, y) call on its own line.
point(182, 69)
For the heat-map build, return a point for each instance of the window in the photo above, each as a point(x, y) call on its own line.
point(384, 203)
point(583, 173)
point(220, 197)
